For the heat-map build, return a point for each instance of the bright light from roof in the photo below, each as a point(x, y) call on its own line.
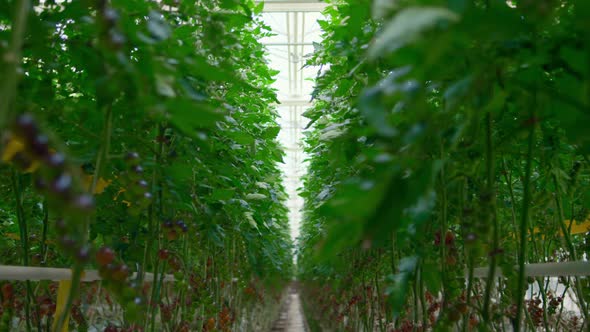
point(296, 31)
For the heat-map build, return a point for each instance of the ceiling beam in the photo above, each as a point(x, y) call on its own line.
point(295, 102)
point(293, 6)
point(288, 44)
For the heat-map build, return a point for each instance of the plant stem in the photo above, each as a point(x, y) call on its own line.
point(491, 280)
point(79, 267)
point(558, 320)
point(24, 237)
point(508, 179)
point(542, 290)
point(520, 291)
point(415, 291)
point(469, 257)
point(570, 246)
point(44, 231)
point(152, 303)
point(13, 57)
point(393, 264)
point(423, 300)
point(443, 231)
point(153, 228)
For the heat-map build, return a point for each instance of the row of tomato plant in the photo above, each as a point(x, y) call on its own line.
point(140, 136)
point(446, 136)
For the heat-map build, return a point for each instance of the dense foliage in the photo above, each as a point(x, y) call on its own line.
point(446, 136)
point(140, 136)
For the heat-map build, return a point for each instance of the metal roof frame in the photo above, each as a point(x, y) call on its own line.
point(290, 20)
point(293, 6)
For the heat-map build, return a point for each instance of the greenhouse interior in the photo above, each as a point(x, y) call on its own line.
point(294, 165)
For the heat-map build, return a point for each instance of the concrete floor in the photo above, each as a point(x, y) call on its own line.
point(291, 318)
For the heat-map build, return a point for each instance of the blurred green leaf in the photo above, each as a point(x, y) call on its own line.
point(407, 25)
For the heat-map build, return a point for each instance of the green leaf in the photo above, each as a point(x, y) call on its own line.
point(371, 102)
point(250, 219)
point(263, 185)
point(341, 235)
point(189, 115)
point(209, 71)
point(255, 197)
point(577, 59)
point(277, 155)
point(180, 172)
point(432, 277)
point(258, 8)
point(242, 137)
point(400, 283)
point(382, 7)
point(222, 194)
point(408, 25)
point(157, 26)
point(164, 85)
point(272, 132)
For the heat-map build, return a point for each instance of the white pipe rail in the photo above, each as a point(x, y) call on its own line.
point(559, 269)
point(21, 273)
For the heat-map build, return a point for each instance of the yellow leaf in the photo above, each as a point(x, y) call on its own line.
point(34, 166)
point(122, 190)
point(579, 228)
point(13, 146)
point(13, 236)
point(575, 229)
point(101, 184)
point(62, 297)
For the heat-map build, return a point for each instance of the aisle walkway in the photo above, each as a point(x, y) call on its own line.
point(291, 319)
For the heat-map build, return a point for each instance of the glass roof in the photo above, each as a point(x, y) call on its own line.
point(296, 31)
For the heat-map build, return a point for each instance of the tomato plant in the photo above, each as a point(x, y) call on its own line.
point(140, 137)
point(447, 136)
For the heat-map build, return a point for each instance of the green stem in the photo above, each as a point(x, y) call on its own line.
point(570, 246)
point(393, 264)
point(415, 291)
point(542, 290)
point(558, 320)
point(469, 258)
point(153, 229)
point(491, 280)
point(153, 305)
point(158, 284)
point(22, 225)
point(520, 291)
point(423, 300)
point(103, 154)
point(528, 317)
point(24, 237)
point(508, 179)
point(378, 290)
point(13, 58)
point(44, 231)
point(443, 231)
point(79, 267)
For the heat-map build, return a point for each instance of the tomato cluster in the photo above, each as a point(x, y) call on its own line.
point(30, 150)
point(7, 292)
point(116, 276)
point(137, 192)
point(172, 230)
